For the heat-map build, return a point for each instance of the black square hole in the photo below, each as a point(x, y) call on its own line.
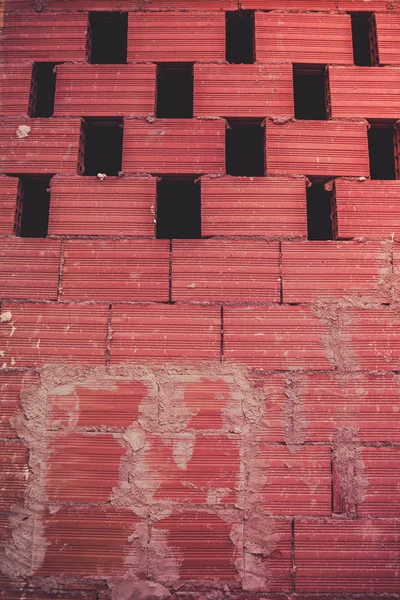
point(381, 151)
point(361, 28)
point(103, 146)
point(178, 208)
point(319, 211)
point(175, 90)
point(43, 89)
point(309, 92)
point(107, 38)
point(32, 216)
point(240, 37)
point(245, 147)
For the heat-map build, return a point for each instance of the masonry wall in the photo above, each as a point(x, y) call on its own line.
point(200, 397)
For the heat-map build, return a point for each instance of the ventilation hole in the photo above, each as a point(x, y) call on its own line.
point(245, 148)
point(178, 208)
point(108, 37)
point(240, 37)
point(381, 151)
point(32, 216)
point(103, 146)
point(319, 217)
point(309, 92)
point(175, 91)
point(43, 89)
point(361, 30)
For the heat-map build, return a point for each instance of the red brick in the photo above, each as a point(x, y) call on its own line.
point(374, 339)
point(201, 544)
point(52, 146)
point(53, 333)
point(225, 271)
point(15, 88)
point(155, 331)
point(291, 483)
point(105, 90)
point(369, 209)
point(83, 467)
point(317, 148)
point(351, 90)
point(89, 405)
point(288, 4)
point(98, 534)
point(44, 37)
point(387, 33)
point(194, 5)
point(206, 399)
point(8, 203)
point(14, 473)
point(12, 384)
point(115, 206)
point(176, 37)
point(174, 146)
point(382, 470)
point(270, 567)
point(116, 270)
point(264, 206)
point(312, 270)
point(370, 5)
point(245, 90)
point(366, 403)
point(347, 556)
point(185, 469)
point(303, 38)
point(29, 268)
point(278, 337)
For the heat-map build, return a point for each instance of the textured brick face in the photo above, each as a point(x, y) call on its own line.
point(213, 416)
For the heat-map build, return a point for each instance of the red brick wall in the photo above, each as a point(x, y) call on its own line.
point(206, 418)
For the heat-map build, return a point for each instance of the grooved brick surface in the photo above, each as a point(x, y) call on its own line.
point(50, 146)
point(312, 270)
point(44, 333)
point(356, 556)
point(262, 206)
point(115, 206)
point(367, 209)
point(275, 337)
point(387, 34)
point(176, 37)
point(116, 270)
point(303, 38)
point(8, 201)
point(382, 497)
point(15, 87)
point(245, 90)
point(216, 270)
point(364, 91)
point(14, 474)
point(325, 148)
point(290, 483)
point(154, 332)
point(44, 37)
point(29, 268)
point(168, 146)
point(105, 90)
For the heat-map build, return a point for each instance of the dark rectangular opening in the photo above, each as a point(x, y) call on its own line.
point(309, 92)
point(245, 147)
point(178, 208)
point(319, 212)
point(240, 37)
point(32, 216)
point(102, 146)
point(381, 151)
point(107, 38)
point(43, 89)
point(361, 24)
point(175, 91)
